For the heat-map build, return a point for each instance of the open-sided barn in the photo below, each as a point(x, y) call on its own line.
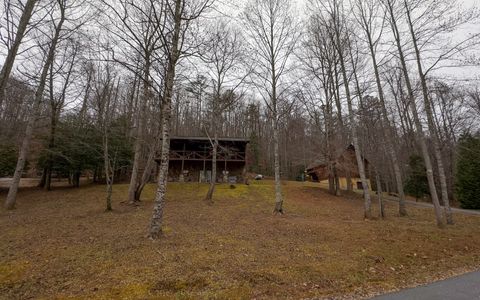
point(191, 159)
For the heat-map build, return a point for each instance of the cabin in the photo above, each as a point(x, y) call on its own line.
point(345, 166)
point(191, 159)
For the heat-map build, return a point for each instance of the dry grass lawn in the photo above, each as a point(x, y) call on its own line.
point(61, 244)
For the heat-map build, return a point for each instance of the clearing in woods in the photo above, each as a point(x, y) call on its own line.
point(62, 244)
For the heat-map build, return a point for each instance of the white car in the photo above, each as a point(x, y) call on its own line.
point(259, 177)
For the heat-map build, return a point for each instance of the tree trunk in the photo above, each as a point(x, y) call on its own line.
point(213, 124)
point(278, 187)
point(157, 218)
point(51, 145)
point(413, 106)
point(108, 171)
point(95, 175)
point(443, 183)
point(159, 202)
point(147, 172)
point(48, 178)
point(331, 177)
point(109, 194)
point(76, 179)
point(109, 174)
point(388, 134)
point(213, 181)
point(380, 198)
point(12, 52)
point(134, 184)
point(433, 133)
point(356, 144)
point(83, 109)
point(337, 182)
point(41, 183)
point(331, 180)
point(348, 176)
point(22, 157)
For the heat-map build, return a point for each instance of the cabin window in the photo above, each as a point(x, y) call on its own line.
point(359, 185)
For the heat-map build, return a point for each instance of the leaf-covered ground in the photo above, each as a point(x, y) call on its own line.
point(61, 244)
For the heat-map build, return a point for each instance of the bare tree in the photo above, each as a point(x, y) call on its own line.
point(106, 96)
point(448, 21)
point(137, 29)
point(474, 96)
point(224, 57)
point(273, 34)
point(39, 94)
point(330, 16)
point(13, 44)
point(61, 73)
point(367, 16)
point(320, 62)
point(390, 8)
point(180, 16)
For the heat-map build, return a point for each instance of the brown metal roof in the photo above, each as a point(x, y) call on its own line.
point(203, 138)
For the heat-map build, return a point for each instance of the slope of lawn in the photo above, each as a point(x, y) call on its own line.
point(61, 244)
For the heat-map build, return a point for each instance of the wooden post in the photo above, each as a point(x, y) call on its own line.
point(182, 179)
point(245, 166)
point(203, 177)
point(183, 156)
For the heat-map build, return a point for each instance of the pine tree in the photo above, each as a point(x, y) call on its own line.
point(254, 153)
point(8, 158)
point(468, 171)
point(416, 184)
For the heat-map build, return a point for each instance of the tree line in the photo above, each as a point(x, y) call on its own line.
point(98, 87)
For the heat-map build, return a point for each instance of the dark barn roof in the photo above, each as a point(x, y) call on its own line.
point(194, 148)
point(203, 138)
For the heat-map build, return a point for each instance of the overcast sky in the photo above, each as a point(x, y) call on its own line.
point(234, 8)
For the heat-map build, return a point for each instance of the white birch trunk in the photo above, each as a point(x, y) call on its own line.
point(22, 157)
point(433, 132)
point(159, 202)
point(108, 171)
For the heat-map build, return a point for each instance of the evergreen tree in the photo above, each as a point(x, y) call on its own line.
point(416, 184)
point(8, 159)
point(468, 171)
point(254, 153)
